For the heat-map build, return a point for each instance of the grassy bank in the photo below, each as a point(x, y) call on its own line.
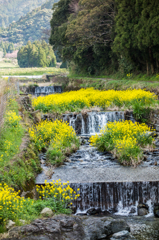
point(107, 84)
point(19, 163)
point(121, 76)
point(31, 71)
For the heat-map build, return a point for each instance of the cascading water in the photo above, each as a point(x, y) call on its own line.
point(47, 90)
point(120, 197)
point(103, 182)
point(92, 122)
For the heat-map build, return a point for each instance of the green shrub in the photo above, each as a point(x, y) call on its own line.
point(125, 140)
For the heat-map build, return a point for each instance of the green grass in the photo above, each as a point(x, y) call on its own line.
point(57, 197)
point(8, 63)
point(11, 136)
point(134, 77)
point(118, 76)
point(115, 84)
point(31, 71)
point(16, 171)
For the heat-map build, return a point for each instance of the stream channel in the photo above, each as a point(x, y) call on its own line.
point(105, 185)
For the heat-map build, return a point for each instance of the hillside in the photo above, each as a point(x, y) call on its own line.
point(31, 26)
point(12, 10)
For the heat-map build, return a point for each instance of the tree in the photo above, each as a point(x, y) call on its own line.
point(136, 27)
point(91, 23)
point(147, 31)
point(59, 25)
point(83, 33)
point(37, 54)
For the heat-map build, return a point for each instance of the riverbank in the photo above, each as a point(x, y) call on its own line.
point(87, 227)
point(75, 83)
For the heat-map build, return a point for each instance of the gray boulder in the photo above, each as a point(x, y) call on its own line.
point(156, 210)
point(63, 227)
point(142, 211)
point(123, 235)
point(47, 212)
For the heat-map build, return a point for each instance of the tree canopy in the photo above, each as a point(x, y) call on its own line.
point(83, 33)
point(36, 54)
point(6, 47)
point(137, 33)
point(111, 35)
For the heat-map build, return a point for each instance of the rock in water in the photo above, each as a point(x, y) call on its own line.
point(122, 235)
point(143, 209)
point(156, 210)
point(93, 211)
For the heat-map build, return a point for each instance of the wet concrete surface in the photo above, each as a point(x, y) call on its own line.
point(90, 165)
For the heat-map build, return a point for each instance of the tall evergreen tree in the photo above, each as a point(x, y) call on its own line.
point(36, 54)
point(136, 26)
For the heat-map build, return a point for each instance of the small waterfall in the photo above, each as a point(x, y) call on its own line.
point(96, 121)
point(92, 122)
point(119, 197)
point(47, 90)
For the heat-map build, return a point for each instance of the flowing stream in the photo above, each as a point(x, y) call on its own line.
point(47, 90)
point(105, 184)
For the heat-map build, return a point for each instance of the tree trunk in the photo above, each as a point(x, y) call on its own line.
point(147, 67)
point(157, 65)
point(152, 68)
point(151, 61)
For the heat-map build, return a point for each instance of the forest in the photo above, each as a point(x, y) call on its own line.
point(31, 27)
point(36, 54)
point(6, 47)
point(12, 10)
point(102, 37)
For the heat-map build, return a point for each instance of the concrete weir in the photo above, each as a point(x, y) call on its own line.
point(117, 190)
point(121, 198)
point(103, 182)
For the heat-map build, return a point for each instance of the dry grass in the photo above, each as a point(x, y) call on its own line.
point(3, 85)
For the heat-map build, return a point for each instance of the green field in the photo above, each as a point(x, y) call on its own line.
point(16, 71)
point(5, 65)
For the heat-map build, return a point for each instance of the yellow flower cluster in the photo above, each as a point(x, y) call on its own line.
point(126, 128)
point(121, 130)
point(90, 97)
point(11, 204)
point(60, 192)
point(56, 132)
point(157, 75)
point(129, 75)
point(124, 138)
point(12, 118)
point(126, 142)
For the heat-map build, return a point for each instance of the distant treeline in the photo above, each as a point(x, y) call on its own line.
point(106, 36)
point(6, 47)
point(36, 54)
point(12, 10)
point(32, 26)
